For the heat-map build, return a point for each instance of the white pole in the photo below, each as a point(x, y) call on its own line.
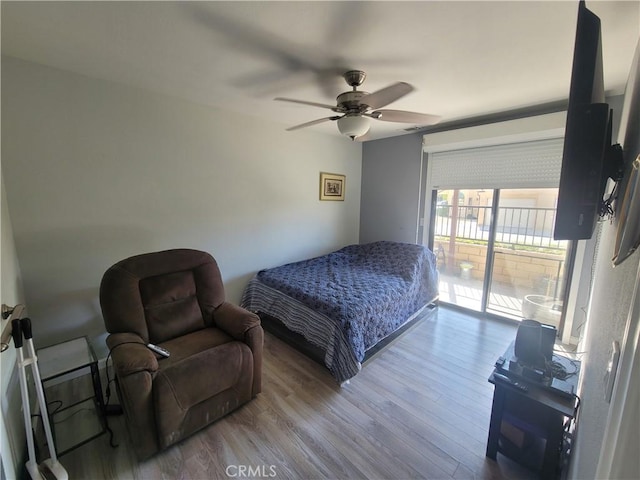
point(52, 463)
point(32, 465)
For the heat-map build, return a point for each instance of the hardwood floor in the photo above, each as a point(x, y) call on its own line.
point(419, 408)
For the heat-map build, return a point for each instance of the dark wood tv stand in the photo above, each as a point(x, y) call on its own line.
point(529, 426)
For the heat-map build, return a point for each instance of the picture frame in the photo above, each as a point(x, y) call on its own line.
point(332, 186)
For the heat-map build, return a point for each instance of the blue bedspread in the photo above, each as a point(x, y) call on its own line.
point(366, 291)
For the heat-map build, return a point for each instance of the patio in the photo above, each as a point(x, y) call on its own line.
point(504, 299)
point(467, 293)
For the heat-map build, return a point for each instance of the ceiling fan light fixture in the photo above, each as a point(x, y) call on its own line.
point(354, 126)
point(358, 107)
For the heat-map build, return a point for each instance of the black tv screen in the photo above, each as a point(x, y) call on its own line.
point(587, 136)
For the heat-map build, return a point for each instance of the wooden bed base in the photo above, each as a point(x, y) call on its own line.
point(277, 328)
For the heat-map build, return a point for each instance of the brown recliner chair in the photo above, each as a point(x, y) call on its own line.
point(175, 299)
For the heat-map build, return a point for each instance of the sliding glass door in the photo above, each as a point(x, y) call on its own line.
point(496, 252)
point(460, 238)
point(528, 264)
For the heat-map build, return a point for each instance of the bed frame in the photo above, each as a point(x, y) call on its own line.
point(274, 326)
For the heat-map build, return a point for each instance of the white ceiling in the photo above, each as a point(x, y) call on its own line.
point(465, 59)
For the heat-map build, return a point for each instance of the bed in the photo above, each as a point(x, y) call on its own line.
point(344, 303)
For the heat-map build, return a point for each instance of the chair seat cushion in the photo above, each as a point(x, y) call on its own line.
point(216, 369)
point(224, 374)
point(195, 342)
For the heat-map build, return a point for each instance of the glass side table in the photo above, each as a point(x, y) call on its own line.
point(71, 382)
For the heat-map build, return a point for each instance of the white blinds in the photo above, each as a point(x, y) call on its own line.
point(532, 164)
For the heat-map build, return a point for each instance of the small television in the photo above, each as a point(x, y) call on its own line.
point(588, 158)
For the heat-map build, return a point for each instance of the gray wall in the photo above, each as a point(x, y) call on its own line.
point(97, 171)
point(391, 185)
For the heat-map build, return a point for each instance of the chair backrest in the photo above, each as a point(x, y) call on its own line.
point(161, 295)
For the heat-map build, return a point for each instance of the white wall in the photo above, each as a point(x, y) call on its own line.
point(12, 439)
point(97, 171)
point(608, 319)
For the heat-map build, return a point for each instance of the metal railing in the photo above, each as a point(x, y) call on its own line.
point(516, 226)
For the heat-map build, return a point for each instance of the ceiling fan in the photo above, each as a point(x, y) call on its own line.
point(357, 107)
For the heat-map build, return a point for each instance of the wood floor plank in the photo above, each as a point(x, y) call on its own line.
point(419, 408)
point(386, 409)
point(382, 437)
point(430, 428)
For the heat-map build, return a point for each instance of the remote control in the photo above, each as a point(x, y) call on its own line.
point(505, 379)
point(159, 350)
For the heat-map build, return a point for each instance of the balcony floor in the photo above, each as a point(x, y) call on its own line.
point(505, 300)
point(467, 293)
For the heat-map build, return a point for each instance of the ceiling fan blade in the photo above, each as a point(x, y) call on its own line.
point(251, 38)
point(386, 95)
point(289, 57)
point(313, 122)
point(405, 117)
point(304, 102)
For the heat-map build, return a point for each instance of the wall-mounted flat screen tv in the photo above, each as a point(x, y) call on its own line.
point(588, 157)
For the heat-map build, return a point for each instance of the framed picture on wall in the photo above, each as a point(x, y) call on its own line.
point(332, 186)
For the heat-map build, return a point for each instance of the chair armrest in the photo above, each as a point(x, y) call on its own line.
point(235, 320)
point(254, 338)
point(135, 367)
point(130, 354)
point(244, 326)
